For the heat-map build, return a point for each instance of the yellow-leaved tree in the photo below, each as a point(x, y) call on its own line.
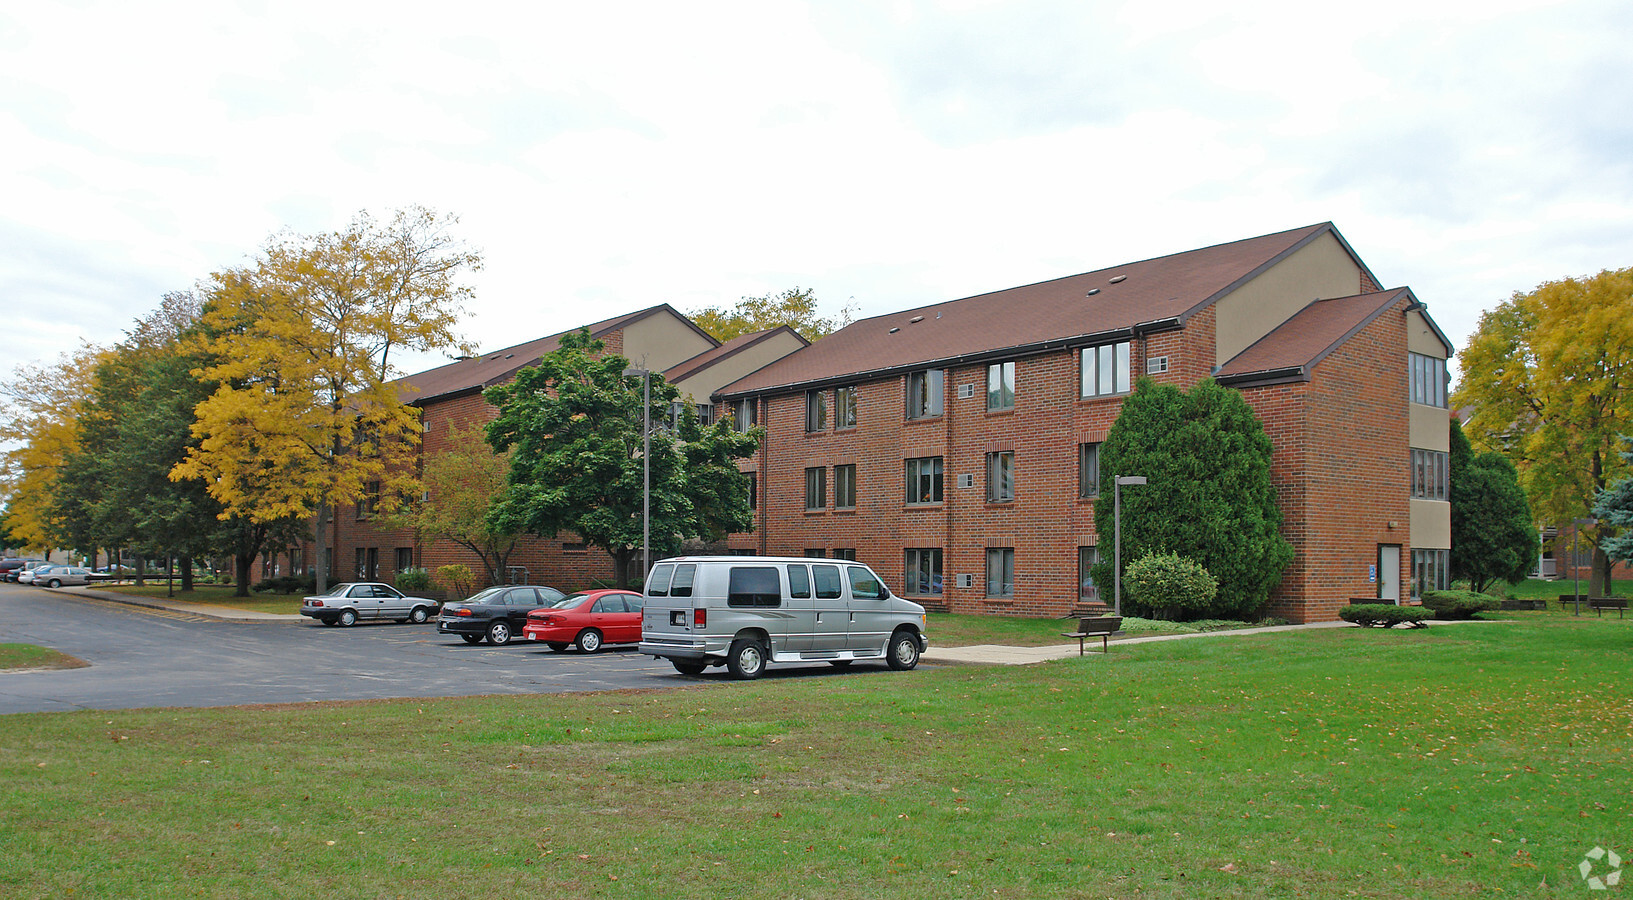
point(39, 422)
point(303, 344)
point(1548, 376)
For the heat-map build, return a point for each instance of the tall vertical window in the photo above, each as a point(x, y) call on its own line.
point(369, 503)
point(845, 406)
point(1430, 571)
point(923, 574)
point(746, 413)
point(816, 410)
point(1088, 470)
point(1430, 480)
point(1000, 572)
point(705, 414)
point(753, 489)
point(1428, 379)
point(1001, 386)
point(405, 559)
point(1087, 559)
point(924, 480)
point(1001, 476)
point(845, 487)
point(1106, 369)
point(816, 488)
point(924, 393)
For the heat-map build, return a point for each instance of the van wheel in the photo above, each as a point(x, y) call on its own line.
point(904, 651)
point(746, 659)
point(688, 667)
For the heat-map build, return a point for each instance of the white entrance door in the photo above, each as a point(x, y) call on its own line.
point(1389, 573)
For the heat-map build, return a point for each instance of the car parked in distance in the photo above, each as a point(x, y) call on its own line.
point(497, 614)
point(588, 620)
point(27, 574)
point(9, 568)
point(58, 576)
point(351, 601)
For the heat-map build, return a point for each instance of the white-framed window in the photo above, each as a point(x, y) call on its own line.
point(923, 575)
point(845, 406)
point(1087, 559)
point(1000, 571)
point(1430, 480)
point(1088, 470)
point(924, 477)
point(1105, 370)
point(1431, 571)
point(1428, 379)
point(1001, 476)
point(1001, 386)
point(925, 393)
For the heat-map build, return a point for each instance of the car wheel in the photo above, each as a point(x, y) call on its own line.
point(840, 663)
point(688, 666)
point(53, 583)
point(558, 646)
point(589, 640)
point(746, 659)
point(904, 651)
point(419, 615)
point(471, 638)
point(499, 633)
point(348, 617)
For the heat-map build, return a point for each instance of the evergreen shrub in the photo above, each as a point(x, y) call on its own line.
point(1368, 614)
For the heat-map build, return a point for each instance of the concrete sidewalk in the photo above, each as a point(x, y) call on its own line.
point(224, 613)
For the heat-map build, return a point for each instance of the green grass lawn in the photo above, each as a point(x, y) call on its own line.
point(1537, 589)
point(1475, 759)
point(214, 595)
point(28, 656)
point(959, 630)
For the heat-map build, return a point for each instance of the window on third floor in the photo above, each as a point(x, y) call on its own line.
point(924, 393)
point(1428, 379)
point(1105, 370)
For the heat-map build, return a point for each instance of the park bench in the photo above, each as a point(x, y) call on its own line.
point(1600, 604)
point(1094, 626)
point(1523, 604)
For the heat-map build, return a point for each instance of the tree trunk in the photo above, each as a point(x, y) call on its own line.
point(621, 559)
point(1599, 583)
point(319, 545)
point(186, 573)
point(140, 562)
point(241, 566)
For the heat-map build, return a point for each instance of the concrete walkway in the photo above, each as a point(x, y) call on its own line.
point(224, 613)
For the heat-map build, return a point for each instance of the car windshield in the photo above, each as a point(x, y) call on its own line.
point(569, 601)
point(487, 595)
point(338, 590)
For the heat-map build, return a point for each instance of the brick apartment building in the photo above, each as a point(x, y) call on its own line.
point(658, 338)
point(954, 447)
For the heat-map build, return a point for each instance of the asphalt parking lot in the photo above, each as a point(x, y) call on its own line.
point(143, 657)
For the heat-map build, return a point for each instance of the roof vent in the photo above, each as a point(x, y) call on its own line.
point(1117, 278)
point(1092, 292)
point(509, 355)
point(915, 320)
point(894, 330)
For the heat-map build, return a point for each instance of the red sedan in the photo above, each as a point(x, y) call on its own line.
point(587, 619)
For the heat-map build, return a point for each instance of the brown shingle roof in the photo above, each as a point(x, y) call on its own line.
point(498, 366)
point(1063, 312)
point(1297, 345)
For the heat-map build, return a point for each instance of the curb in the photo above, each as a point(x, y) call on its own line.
point(211, 612)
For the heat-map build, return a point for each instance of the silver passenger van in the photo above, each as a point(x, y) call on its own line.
point(744, 612)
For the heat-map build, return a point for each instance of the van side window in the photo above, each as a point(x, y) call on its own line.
point(827, 582)
point(754, 586)
point(658, 584)
point(799, 582)
point(864, 584)
point(682, 585)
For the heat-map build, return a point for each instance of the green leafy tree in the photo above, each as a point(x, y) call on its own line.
point(1209, 496)
point(1493, 536)
point(462, 482)
point(795, 307)
point(1614, 508)
point(1171, 585)
point(1549, 377)
point(573, 426)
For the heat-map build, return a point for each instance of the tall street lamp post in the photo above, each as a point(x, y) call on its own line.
point(1117, 536)
point(646, 468)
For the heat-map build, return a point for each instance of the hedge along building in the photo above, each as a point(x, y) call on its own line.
point(957, 444)
point(658, 339)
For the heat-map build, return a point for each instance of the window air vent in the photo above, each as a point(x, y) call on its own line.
point(966, 391)
point(966, 581)
point(1156, 365)
point(966, 481)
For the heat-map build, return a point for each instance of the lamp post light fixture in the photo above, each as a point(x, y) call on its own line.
point(646, 468)
point(1117, 537)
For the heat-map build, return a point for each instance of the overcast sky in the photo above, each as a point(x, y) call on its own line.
point(609, 156)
